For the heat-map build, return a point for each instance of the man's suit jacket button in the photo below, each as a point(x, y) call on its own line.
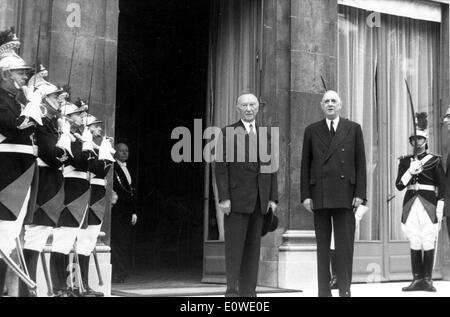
point(342, 176)
point(343, 150)
point(342, 162)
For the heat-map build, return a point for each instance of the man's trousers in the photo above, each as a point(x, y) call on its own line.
point(242, 249)
point(342, 221)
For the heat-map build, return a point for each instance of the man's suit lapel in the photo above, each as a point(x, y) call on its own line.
point(324, 133)
point(122, 176)
point(341, 133)
point(240, 124)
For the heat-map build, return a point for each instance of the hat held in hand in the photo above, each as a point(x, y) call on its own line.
point(270, 223)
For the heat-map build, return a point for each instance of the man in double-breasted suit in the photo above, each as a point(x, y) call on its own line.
point(246, 192)
point(333, 185)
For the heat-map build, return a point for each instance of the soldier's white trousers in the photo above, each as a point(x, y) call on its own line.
point(36, 237)
point(419, 229)
point(64, 237)
point(87, 239)
point(10, 230)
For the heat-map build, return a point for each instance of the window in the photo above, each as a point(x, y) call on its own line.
point(373, 63)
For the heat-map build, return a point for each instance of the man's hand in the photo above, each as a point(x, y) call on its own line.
point(356, 203)
point(114, 198)
point(415, 167)
point(308, 204)
point(133, 219)
point(225, 206)
point(272, 205)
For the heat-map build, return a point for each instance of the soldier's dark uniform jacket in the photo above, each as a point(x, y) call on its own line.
point(76, 189)
point(432, 175)
point(50, 195)
point(18, 165)
point(97, 204)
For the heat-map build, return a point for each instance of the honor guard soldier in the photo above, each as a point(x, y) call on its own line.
point(52, 153)
point(422, 176)
point(76, 191)
point(17, 151)
point(99, 168)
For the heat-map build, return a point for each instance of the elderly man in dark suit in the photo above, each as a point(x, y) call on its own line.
point(123, 216)
point(333, 185)
point(246, 192)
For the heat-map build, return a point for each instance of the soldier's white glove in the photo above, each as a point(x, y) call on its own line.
point(64, 142)
point(360, 212)
point(415, 167)
point(32, 109)
point(440, 210)
point(63, 126)
point(88, 143)
point(106, 151)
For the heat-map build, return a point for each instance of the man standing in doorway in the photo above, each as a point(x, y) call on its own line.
point(245, 194)
point(123, 216)
point(333, 186)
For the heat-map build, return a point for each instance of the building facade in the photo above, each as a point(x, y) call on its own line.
point(280, 49)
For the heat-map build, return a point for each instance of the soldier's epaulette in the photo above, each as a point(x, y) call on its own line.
point(437, 155)
point(405, 156)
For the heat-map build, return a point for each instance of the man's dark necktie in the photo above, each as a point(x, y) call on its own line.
point(332, 131)
point(253, 151)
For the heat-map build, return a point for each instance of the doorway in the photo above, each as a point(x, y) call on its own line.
point(162, 84)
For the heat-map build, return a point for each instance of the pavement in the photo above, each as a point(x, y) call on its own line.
point(187, 283)
point(375, 290)
point(358, 290)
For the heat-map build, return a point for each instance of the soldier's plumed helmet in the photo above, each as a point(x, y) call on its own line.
point(38, 82)
point(9, 44)
point(70, 108)
point(421, 126)
point(92, 120)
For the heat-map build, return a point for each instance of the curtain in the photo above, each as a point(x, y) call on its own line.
point(233, 69)
point(409, 50)
point(373, 63)
point(357, 69)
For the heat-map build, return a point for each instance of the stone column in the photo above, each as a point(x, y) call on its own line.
point(276, 111)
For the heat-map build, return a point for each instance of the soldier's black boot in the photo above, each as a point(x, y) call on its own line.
point(58, 268)
point(31, 260)
point(428, 260)
point(333, 281)
point(3, 267)
point(417, 269)
point(84, 266)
